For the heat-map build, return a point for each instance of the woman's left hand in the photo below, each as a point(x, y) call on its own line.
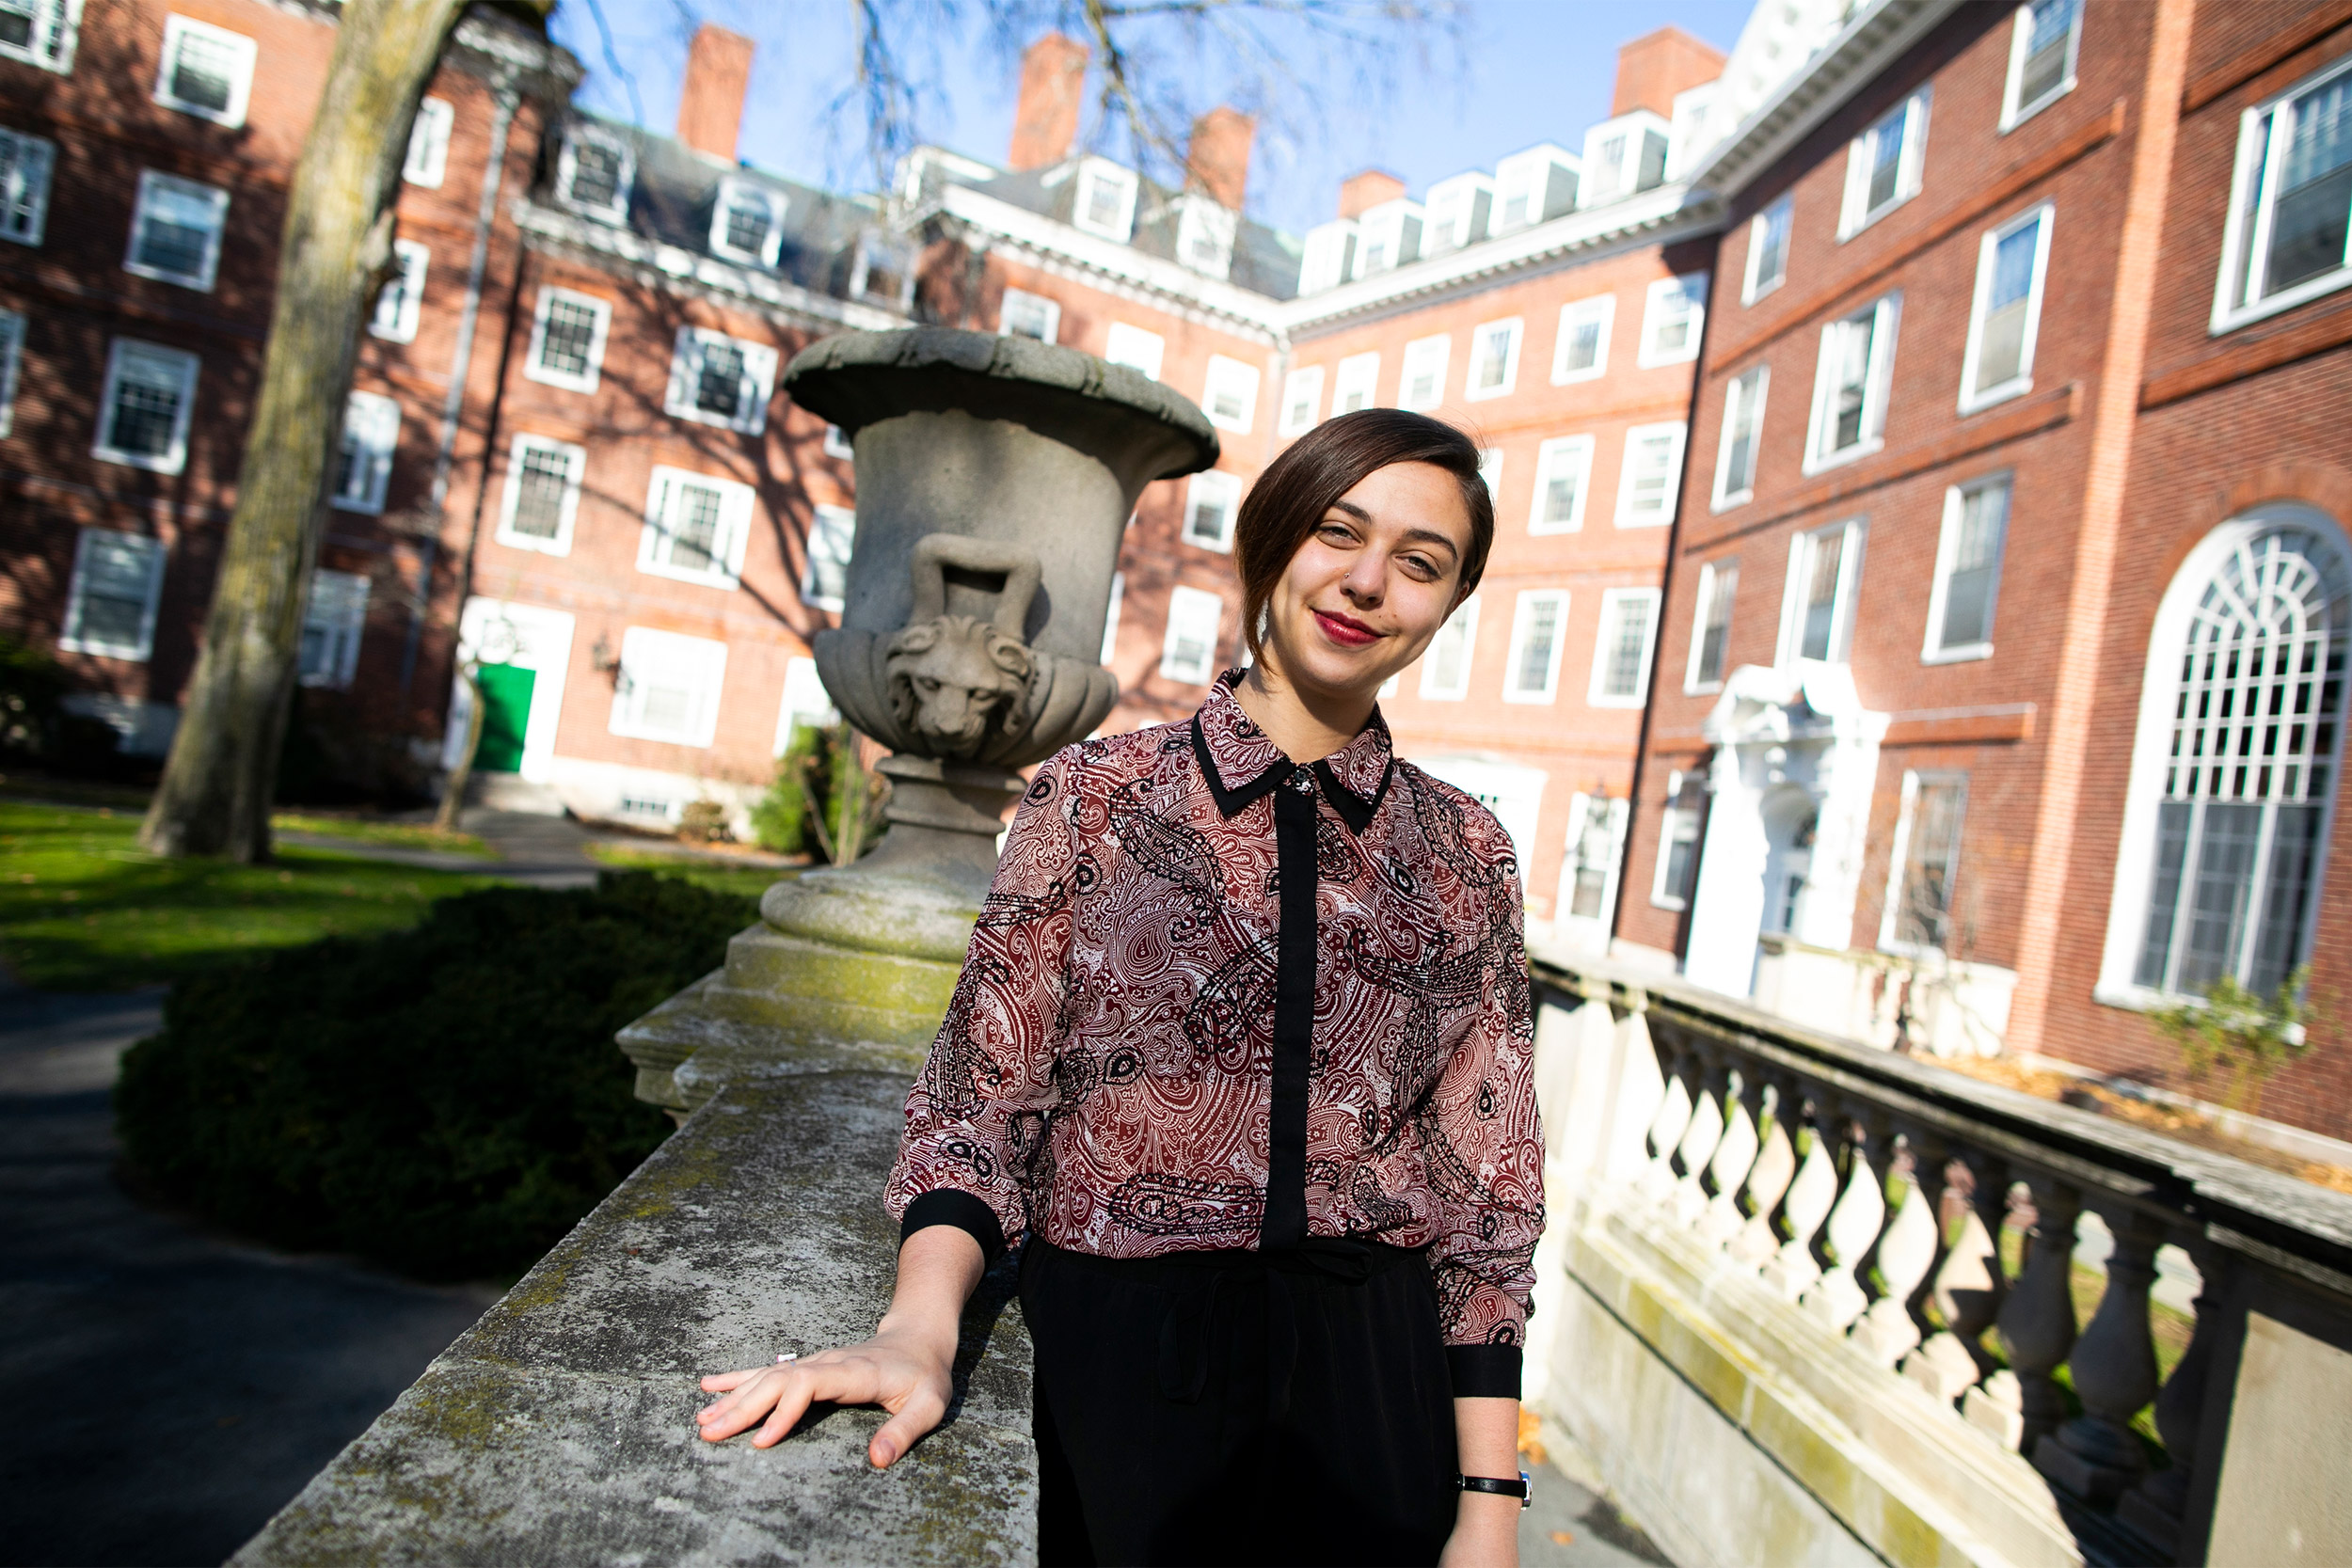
point(1485, 1533)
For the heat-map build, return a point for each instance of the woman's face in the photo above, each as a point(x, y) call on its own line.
point(1373, 583)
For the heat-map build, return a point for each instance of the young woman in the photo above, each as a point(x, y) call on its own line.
point(1241, 1053)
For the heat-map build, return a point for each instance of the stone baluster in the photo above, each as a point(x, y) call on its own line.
point(1967, 1288)
point(1889, 1329)
point(2096, 1455)
point(1709, 1091)
point(1734, 1156)
point(1837, 1297)
point(1657, 1181)
point(2037, 1324)
point(1791, 1270)
point(1772, 1109)
point(2153, 1509)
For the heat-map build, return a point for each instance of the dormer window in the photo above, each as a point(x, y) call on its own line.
point(1105, 203)
point(880, 276)
point(1624, 156)
point(1330, 251)
point(746, 223)
point(1388, 236)
point(1204, 236)
point(1458, 211)
point(594, 174)
point(1532, 186)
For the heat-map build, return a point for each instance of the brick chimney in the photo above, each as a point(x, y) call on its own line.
point(1053, 85)
point(710, 105)
point(1656, 66)
point(1361, 192)
point(1218, 159)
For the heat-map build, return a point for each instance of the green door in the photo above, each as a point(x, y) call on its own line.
point(506, 717)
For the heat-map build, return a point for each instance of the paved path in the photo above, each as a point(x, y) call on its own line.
point(1570, 1525)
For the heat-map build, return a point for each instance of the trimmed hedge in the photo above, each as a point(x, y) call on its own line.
point(447, 1100)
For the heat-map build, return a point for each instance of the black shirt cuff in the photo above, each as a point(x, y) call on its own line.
point(976, 1219)
point(1479, 1372)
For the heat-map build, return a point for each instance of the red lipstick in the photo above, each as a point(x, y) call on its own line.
point(1345, 632)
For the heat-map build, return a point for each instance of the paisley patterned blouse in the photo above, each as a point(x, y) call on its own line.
point(1218, 1000)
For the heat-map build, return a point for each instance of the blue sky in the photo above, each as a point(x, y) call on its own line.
point(1528, 70)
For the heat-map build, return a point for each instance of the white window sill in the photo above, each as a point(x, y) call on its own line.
point(1773, 287)
point(739, 424)
point(1637, 521)
point(171, 464)
point(1868, 219)
point(1648, 361)
point(665, 739)
point(742, 258)
point(1840, 459)
point(1701, 689)
point(2013, 121)
point(1964, 653)
point(1569, 379)
point(700, 580)
point(2225, 322)
point(395, 337)
point(1737, 498)
point(594, 214)
point(103, 650)
point(367, 509)
point(63, 67)
point(2140, 999)
point(1215, 547)
point(2005, 391)
point(181, 279)
point(1677, 905)
point(561, 546)
point(557, 378)
point(1237, 427)
point(199, 111)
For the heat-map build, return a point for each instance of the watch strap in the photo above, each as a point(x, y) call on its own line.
point(1517, 1486)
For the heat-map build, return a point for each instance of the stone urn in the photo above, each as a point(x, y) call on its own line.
point(994, 480)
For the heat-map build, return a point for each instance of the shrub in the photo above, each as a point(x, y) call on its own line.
point(779, 819)
point(447, 1100)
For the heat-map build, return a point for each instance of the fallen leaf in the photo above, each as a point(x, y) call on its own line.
point(1562, 1538)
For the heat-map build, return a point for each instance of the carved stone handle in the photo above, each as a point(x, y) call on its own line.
point(935, 552)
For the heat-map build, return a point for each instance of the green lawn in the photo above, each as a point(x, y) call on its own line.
point(710, 872)
point(362, 830)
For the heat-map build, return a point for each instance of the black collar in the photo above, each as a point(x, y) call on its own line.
point(1354, 809)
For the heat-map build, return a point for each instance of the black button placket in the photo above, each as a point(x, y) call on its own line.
point(1285, 1222)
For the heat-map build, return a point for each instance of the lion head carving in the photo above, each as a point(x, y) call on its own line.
point(957, 682)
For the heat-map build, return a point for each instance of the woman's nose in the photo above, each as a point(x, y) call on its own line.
point(1367, 580)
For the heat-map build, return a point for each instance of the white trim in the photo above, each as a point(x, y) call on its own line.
point(427, 161)
point(1044, 312)
point(1522, 630)
point(24, 196)
point(2043, 217)
point(529, 638)
point(400, 304)
point(1425, 360)
point(2014, 114)
point(1933, 649)
point(1675, 823)
point(1878, 375)
point(1217, 488)
point(1690, 288)
point(1143, 351)
point(2254, 199)
point(835, 528)
point(1852, 532)
point(1463, 626)
point(1205, 232)
point(534, 368)
point(1356, 377)
point(64, 20)
point(1577, 449)
point(153, 560)
point(154, 185)
point(1613, 603)
point(1636, 437)
point(1490, 473)
point(1450, 212)
point(127, 349)
point(240, 51)
point(1745, 398)
point(1094, 171)
point(1194, 614)
point(1752, 288)
point(1854, 212)
point(1384, 235)
point(1110, 619)
point(663, 494)
point(336, 607)
point(1302, 401)
point(11, 355)
point(371, 423)
point(839, 446)
point(1228, 377)
point(1602, 309)
point(695, 666)
point(1900, 855)
point(1712, 576)
point(1326, 257)
point(568, 172)
point(1511, 329)
point(723, 201)
point(574, 467)
point(755, 388)
point(1615, 815)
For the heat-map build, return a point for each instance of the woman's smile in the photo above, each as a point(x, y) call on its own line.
point(1346, 631)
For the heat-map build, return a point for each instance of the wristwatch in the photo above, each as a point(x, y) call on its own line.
point(1524, 1488)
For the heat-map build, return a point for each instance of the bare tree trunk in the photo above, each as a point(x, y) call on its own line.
point(454, 791)
point(216, 795)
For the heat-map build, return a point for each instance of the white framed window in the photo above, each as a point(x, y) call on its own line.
point(176, 229)
point(1387, 237)
point(1302, 400)
point(695, 528)
point(1188, 650)
point(718, 380)
point(1849, 385)
point(334, 617)
point(1679, 841)
point(2006, 317)
point(207, 70)
point(1110, 619)
point(883, 272)
point(2285, 238)
point(805, 701)
point(41, 32)
point(542, 496)
point(837, 445)
point(427, 162)
point(143, 410)
point(1355, 384)
point(1651, 475)
point(1022, 315)
point(1967, 571)
point(1582, 352)
point(668, 687)
point(831, 538)
point(25, 163)
point(1588, 867)
point(1674, 315)
point(1423, 384)
point(1211, 500)
point(1490, 472)
point(110, 604)
point(1329, 253)
point(1229, 394)
point(1494, 367)
point(1539, 623)
point(594, 173)
point(747, 223)
point(1710, 629)
point(11, 352)
point(1532, 186)
point(400, 303)
point(1917, 915)
point(1105, 200)
point(1204, 235)
point(1743, 428)
point(1457, 212)
point(1629, 631)
point(1884, 164)
point(2229, 813)
point(567, 333)
point(1767, 249)
point(363, 457)
point(1564, 476)
point(1135, 348)
point(2041, 49)
point(1445, 664)
point(1817, 603)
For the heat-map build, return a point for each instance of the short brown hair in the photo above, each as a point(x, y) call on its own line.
point(1298, 488)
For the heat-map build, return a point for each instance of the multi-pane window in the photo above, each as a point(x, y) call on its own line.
point(1671, 320)
point(1628, 616)
point(1816, 609)
point(110, 604)
point(24, 165)
point(1135, 348)
point(1884, 165)
point(568, 333)
point(695, 528)
point(1188, 649)
point(1105, 200)
point(1920, 889)
point(2042, 54)
point(1204, 236)
point(333, 620)
point(1651, 475)
point(1968, 570)
point(1355, 383)
point(594, 173)
point(1539, 622)
point(40, 32)
point(1583, 353)
point(1744, 425)
point(747, 223)
point(1849, 384)
point(2292, 207)
point(1564, 475)
point(1022, 314)
point(1711, 633)
point(207, 70)
point(1211, 500)
point(176, 229)
point(1679, 841)
point(883, 272)
point(1494, 367)
point(143, 409)
point(1588, 870)
point(11, 350)
point(1460, 208)
point(718, 380)
point(428, 144)
point(1302, 400)
point(542, 494)
point(363, 457)
point(1445, 664)
point(831, 538)
point(400, 303)
point(2007, 315)
point(1767, 249)
point(1387, 237)
point(1230, 394)
point(668, 687)
point(1423, 384)
point(1490, 472)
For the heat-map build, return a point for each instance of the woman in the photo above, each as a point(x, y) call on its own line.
point(1241, 1050)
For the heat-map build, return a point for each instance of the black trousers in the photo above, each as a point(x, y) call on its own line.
point(1240, 1407)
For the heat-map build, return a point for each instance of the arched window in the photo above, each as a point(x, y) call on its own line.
point(2234, 769)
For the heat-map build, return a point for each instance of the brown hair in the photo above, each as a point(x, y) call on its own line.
point(1283, 509)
